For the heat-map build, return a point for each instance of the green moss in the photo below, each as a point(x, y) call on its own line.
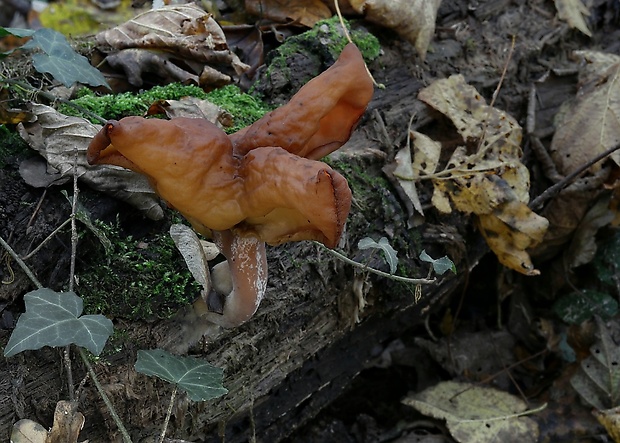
point(11, 144)
point(319, 47)
point(143, 279)
point(363, 184)
point(116, 106)
point(329, 33)
point(244, 108)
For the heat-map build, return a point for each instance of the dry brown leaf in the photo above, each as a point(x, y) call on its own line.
point(28, 431)
point(194, 108)
point(68, 422)
point(56, 137)
point(137, 63)
point(591, 124)
point(408, 171)
point(413, 20)
point(487, 180)
point(477, 414)
point(182, 32)
point(305, 12)
point(509, 231)
point(573, 12)
point(564, 213)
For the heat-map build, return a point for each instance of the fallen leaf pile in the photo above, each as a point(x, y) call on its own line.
point(306, 12)
point(587, 125)
point(483, 176)
point(178, 43)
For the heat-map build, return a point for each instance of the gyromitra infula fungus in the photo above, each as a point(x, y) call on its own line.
point(260, 185)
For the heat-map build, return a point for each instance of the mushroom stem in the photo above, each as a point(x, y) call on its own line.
point(247, 265)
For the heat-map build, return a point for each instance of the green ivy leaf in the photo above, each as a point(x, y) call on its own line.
point(53, 319)
point(16, 32)
point(198, 378)
point(61, 61)
point(384, 245)
point(440, 265)
point(577, 307)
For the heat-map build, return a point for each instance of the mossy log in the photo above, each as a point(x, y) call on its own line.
point(321, 321)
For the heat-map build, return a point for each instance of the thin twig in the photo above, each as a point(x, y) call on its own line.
point(74, 240)
point(74, 236)
point(37, 208)
point(344, 258)
point(551, 192)
point(47, 239)
point(503, 77)
point(168, 415)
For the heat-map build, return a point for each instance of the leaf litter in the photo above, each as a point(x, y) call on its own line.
point(483, 176)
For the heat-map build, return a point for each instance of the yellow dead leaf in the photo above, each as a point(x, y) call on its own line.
point(497, 133)
point(610, 418)
point(484, 176)
point(476, 193)
point(573, 12)
point(591, 124)
point(414, 20)
point(510, 231)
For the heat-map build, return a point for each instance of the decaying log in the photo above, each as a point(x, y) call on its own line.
point(320, 323)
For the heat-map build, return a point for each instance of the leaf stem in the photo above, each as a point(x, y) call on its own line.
point(168, 415)
point(48, 238)
point(344, 258)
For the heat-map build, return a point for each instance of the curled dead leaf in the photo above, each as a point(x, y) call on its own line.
point(152, 41)
point(57, 137)
point(509, 231)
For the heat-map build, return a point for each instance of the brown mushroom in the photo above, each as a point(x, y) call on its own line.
point(243, 195)
point(320, 117)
